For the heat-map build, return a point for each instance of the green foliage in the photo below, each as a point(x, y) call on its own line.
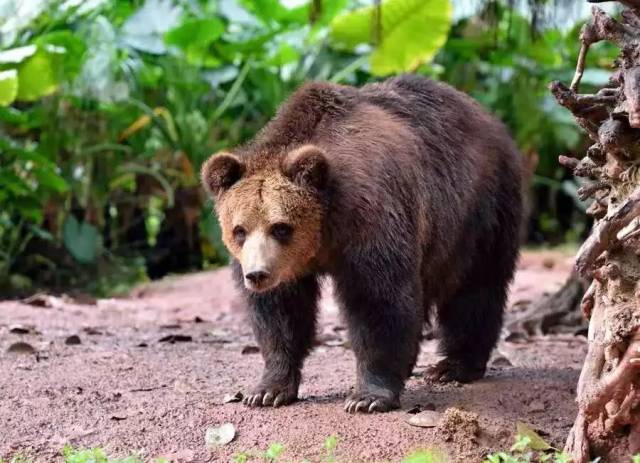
point(8, 86)
point(412, 32)
point(274, 452)
point(531, 448)
point(330, 445)
point(108, 109)
point(521, 452)
point(425, 456)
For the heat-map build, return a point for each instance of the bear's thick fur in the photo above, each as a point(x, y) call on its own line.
point(416, 190)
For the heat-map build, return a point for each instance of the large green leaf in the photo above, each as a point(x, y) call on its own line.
point(273, 11)
point(194, 37)
point(38, 76)
point(412, 32)
point(81, 239)
point(74, 47)
point(8, 86)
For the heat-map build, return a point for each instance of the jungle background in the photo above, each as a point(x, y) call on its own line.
point(107, 110)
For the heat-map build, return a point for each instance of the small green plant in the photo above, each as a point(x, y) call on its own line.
point(274, 451)
point(425, 456)
point(330, 444)
point(97, 455)
point(531, 448)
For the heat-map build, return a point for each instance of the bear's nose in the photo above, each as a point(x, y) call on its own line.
point(257, 277)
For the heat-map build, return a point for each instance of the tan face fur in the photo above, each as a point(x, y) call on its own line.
point(271, 224)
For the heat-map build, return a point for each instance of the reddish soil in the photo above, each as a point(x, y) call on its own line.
point(124, 389)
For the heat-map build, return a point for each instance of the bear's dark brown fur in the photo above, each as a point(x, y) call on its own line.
point(420, 193)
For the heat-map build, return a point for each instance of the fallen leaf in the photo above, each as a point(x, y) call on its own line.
point(170, 326)
point(425, 419)
point(173, 338)
point(230, 398)
point(92, 331)
point(73, 340)
point(45, 300)
point(21, 348)
point(217, 437)
point(250, 350)
point(19, 329)
point(537, 442)
point(501, 361)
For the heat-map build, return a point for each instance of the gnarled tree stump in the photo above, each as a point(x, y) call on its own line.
point(608, 393)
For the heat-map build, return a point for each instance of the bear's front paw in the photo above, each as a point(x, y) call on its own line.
point(276, 395)
point(370, 402)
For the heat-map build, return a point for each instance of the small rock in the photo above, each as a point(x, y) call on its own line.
point(230, 398)
point(217, 437)
point(425, 419)
point(21, 348)
point(73, 340)
point(250, 350)
point(198, 319)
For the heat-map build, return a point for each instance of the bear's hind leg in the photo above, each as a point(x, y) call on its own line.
point(283, 321)
point(469, 326)
point(384, 317)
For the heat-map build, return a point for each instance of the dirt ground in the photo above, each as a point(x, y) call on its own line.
point(149, 373)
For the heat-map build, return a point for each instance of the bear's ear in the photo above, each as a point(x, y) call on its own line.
point(307, 166)
point(220, 172)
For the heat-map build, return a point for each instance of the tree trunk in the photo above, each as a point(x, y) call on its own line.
point(608, 393)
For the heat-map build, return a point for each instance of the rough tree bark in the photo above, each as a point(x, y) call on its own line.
point(608, 393)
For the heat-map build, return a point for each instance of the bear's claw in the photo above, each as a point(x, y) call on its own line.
point(269, 397)
point(369, 404)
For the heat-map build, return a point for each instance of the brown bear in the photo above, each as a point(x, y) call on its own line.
point(407, 194)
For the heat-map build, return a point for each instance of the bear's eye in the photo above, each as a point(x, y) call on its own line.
point(282, 232)
point(239, 234)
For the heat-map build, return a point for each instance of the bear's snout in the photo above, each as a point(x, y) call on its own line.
point(257, 278)
point(259, 281)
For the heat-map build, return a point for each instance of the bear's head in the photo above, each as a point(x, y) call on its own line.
point(271, 211)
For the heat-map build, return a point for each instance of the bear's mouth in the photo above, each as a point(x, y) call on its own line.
point(261, 286)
